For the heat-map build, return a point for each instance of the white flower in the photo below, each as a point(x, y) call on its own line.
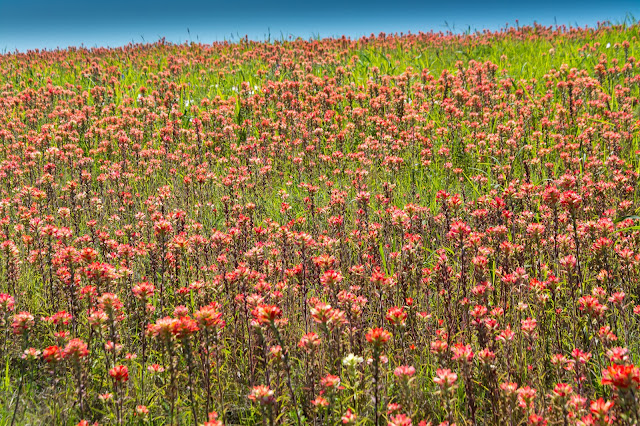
point(351, 361)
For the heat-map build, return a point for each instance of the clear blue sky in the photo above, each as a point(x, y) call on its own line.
point(29, 24)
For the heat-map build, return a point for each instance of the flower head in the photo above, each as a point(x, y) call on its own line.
point(22, 322)
point(262, 395)
point(53, 354)
point(621, 376)
point(378, 337)
point(445, 379)
point(119, 373)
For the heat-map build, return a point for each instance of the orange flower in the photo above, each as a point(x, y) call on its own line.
point(378, 337)
point(53, 354)
point(267, 314)
point(621, 376)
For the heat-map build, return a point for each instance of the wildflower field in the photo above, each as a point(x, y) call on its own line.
point(394, 230)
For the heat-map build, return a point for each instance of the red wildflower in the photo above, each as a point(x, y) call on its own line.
point(119, 373)
point(378, 337)
point(621, 376)
point(53, 354)
point(396, 316)
point(267, 314)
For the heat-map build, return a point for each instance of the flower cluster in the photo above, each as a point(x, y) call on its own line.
point(398, 229)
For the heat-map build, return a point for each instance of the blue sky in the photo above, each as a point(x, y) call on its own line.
point(30, 24)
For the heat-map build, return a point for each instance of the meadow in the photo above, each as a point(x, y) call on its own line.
point(418, 229)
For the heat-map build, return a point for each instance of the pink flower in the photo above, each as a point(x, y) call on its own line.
point(462, 353)
point(348, 418)
point(262, 395)
point(22, 322)
point(526, 397)
point(445, 379)
point(400, 420)
point(404, 372)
